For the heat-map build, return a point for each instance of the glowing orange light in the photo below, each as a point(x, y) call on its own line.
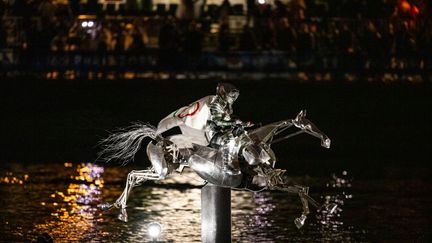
point(405, 6)
point(129, 75)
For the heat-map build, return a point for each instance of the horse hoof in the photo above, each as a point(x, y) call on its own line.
point(326, 143)
point(106, 206)
point(299, 222)
point(123, 215)
point(331, 208)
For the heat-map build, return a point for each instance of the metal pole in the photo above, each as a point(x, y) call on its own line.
point(215, 214)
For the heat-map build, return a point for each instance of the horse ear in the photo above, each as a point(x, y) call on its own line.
point(301, 114)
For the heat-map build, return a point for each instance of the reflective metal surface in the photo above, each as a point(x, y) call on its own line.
point(219, 164)
point(61, 200)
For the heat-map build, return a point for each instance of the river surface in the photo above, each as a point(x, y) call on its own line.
point(62, 199)
point(378, 170)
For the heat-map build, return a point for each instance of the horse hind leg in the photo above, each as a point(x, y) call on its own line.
point(158, 171)
point(134, 178)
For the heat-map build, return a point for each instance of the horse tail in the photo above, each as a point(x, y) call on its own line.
point(122, 145)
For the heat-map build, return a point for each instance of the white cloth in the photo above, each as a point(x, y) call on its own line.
point(192, 121)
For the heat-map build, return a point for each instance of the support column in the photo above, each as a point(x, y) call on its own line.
point(215, 214)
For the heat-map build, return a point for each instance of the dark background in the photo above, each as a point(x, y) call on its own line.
point(377, 129)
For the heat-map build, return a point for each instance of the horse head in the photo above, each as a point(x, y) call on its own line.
point(257, 142)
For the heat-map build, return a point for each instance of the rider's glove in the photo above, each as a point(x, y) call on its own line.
point(248, 124)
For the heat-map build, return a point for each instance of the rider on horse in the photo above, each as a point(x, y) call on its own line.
point(211, 143)
point(222, 129)
point(209, 122)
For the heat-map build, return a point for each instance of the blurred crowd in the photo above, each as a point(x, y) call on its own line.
point(376, 32)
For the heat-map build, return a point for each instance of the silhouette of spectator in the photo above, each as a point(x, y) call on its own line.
point(404, 43)
point(263, 25)
point(3, 8)
point(281, 10)
point(119, 43)
point(388, 42)
point(19, 8)
point(168, 42)
point(137, 42)
point(2, 37)
point(224, 12)
point(345, 38)
point(372, 38)
point(298, 9)
point(102, 45)
point(74, 6)
point(424, 44)
point(247, 39)
point(59, 42)
point(47, 10)
point(193, 40)
point(92, 6)
point(225, 40)
point(345, 43)
point(305, 44)
point(168, 36)
point(286, 36)
point(185, 11)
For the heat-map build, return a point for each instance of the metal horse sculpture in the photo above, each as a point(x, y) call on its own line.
point(251, 152)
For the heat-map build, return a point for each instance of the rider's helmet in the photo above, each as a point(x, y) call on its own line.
point(227, 92)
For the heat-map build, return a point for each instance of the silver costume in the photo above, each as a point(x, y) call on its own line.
point(215, 146)
point(221, 127)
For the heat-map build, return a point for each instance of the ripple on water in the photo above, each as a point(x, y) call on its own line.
point(62, 201)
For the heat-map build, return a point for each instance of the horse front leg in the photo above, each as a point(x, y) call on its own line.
point(134, 178)
point(304, 198)
point(303, 194)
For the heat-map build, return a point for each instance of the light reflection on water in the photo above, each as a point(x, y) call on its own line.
point(62, 201)
point(73, 212)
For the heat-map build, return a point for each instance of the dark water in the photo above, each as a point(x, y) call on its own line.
point(62, 199)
